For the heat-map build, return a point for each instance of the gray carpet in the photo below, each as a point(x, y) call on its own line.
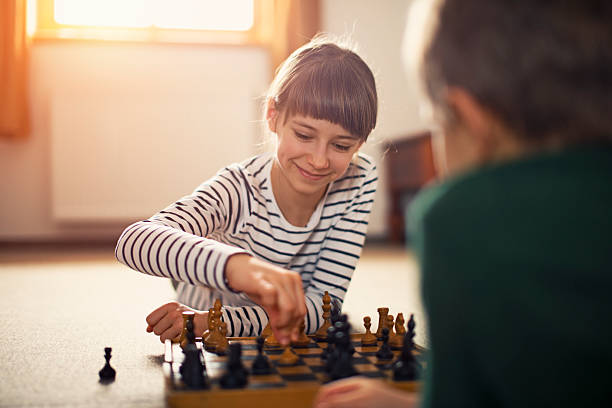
point(59, 310)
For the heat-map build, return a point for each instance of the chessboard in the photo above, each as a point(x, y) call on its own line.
point(292, 386)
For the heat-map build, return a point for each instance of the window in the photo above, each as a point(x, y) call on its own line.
point(223, 21)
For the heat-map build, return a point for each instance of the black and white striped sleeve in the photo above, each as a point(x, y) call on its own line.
point(174, 243)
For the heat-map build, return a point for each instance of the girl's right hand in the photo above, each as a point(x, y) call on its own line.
point(167, 321)
point(279, 291)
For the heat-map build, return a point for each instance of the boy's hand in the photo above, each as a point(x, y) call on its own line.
point(278, 290)
point(357, 392)
point(167, 321)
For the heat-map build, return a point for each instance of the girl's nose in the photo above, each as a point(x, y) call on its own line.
point(318, 158)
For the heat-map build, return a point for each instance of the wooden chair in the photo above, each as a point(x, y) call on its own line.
point(409, 165)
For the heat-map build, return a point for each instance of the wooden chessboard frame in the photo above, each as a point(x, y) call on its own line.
point(294, 386)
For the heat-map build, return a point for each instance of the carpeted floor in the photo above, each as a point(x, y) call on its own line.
point(59, 308)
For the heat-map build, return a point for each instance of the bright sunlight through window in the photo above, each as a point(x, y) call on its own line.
point(224, 15)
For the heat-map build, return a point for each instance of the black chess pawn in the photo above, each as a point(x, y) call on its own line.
point(384, 352)
point(236, 375)
point(261, 364)
point(107, 373)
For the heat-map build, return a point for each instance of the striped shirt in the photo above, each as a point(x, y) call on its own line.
point(236, 212)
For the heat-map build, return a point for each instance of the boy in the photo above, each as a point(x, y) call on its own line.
point(514, 246)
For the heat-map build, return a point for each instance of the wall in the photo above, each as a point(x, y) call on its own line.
point(156, 72)
point(155, 120)
point(377, 28)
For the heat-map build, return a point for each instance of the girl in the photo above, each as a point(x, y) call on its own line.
point(270, 235)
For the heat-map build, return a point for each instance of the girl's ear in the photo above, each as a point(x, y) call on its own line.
point(271, 114)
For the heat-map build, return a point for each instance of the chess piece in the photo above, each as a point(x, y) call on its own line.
point(288, 357)
point(396, 340)
point(384, 352)
point(368, 338)
point(327, 351)
point(188, 316)
point(209, 320)
point(236, 375)
point(407, 367)
point(343, 360)
point(215, 336)
point(210, 341)
point(321, 334)
point(107, 373)
point(303, 340)
point(267, 331)
point(382, 321)
point(192, 369)
point(271, 341)
point(389, 325)
point(221, 344)
point(261, 364)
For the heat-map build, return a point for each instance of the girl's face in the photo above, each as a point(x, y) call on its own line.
point(311, 153)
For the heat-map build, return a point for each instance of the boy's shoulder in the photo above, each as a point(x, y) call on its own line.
point(526, 184)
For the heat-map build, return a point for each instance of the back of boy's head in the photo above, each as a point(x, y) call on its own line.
point(326, 80)
point(544, 67)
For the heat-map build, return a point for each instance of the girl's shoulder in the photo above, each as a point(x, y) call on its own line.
point(251, 170)
point(360, 175)
point(361, 168)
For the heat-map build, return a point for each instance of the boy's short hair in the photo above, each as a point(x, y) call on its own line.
point(325, 80)
point(544, 67)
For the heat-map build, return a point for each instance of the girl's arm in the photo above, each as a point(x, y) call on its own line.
point(335, 265)
point(174, 243)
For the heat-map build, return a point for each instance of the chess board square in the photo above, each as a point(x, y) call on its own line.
point(259, 386)
point(312, 360)
point(273, 351)
point(268, 378)
point(363, 368)
point(375, 374)
point(297, 369)
point(366, 349)
point(361, 360)
point(307, 351)
point(300, 378)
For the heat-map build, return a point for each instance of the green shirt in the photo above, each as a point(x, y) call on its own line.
point(516, 262)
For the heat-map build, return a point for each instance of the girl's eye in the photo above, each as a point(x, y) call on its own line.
point(342, 148)
point(302, 136)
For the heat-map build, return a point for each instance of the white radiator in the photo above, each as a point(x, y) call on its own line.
point(123, 156)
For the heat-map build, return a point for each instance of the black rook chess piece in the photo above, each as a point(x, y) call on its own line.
point(107, 373)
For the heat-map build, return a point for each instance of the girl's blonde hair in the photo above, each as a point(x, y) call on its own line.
point(326, 80)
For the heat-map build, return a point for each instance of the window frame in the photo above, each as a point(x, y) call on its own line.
point(48, 29)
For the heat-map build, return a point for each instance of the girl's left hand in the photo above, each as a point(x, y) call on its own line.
point(357, 392)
